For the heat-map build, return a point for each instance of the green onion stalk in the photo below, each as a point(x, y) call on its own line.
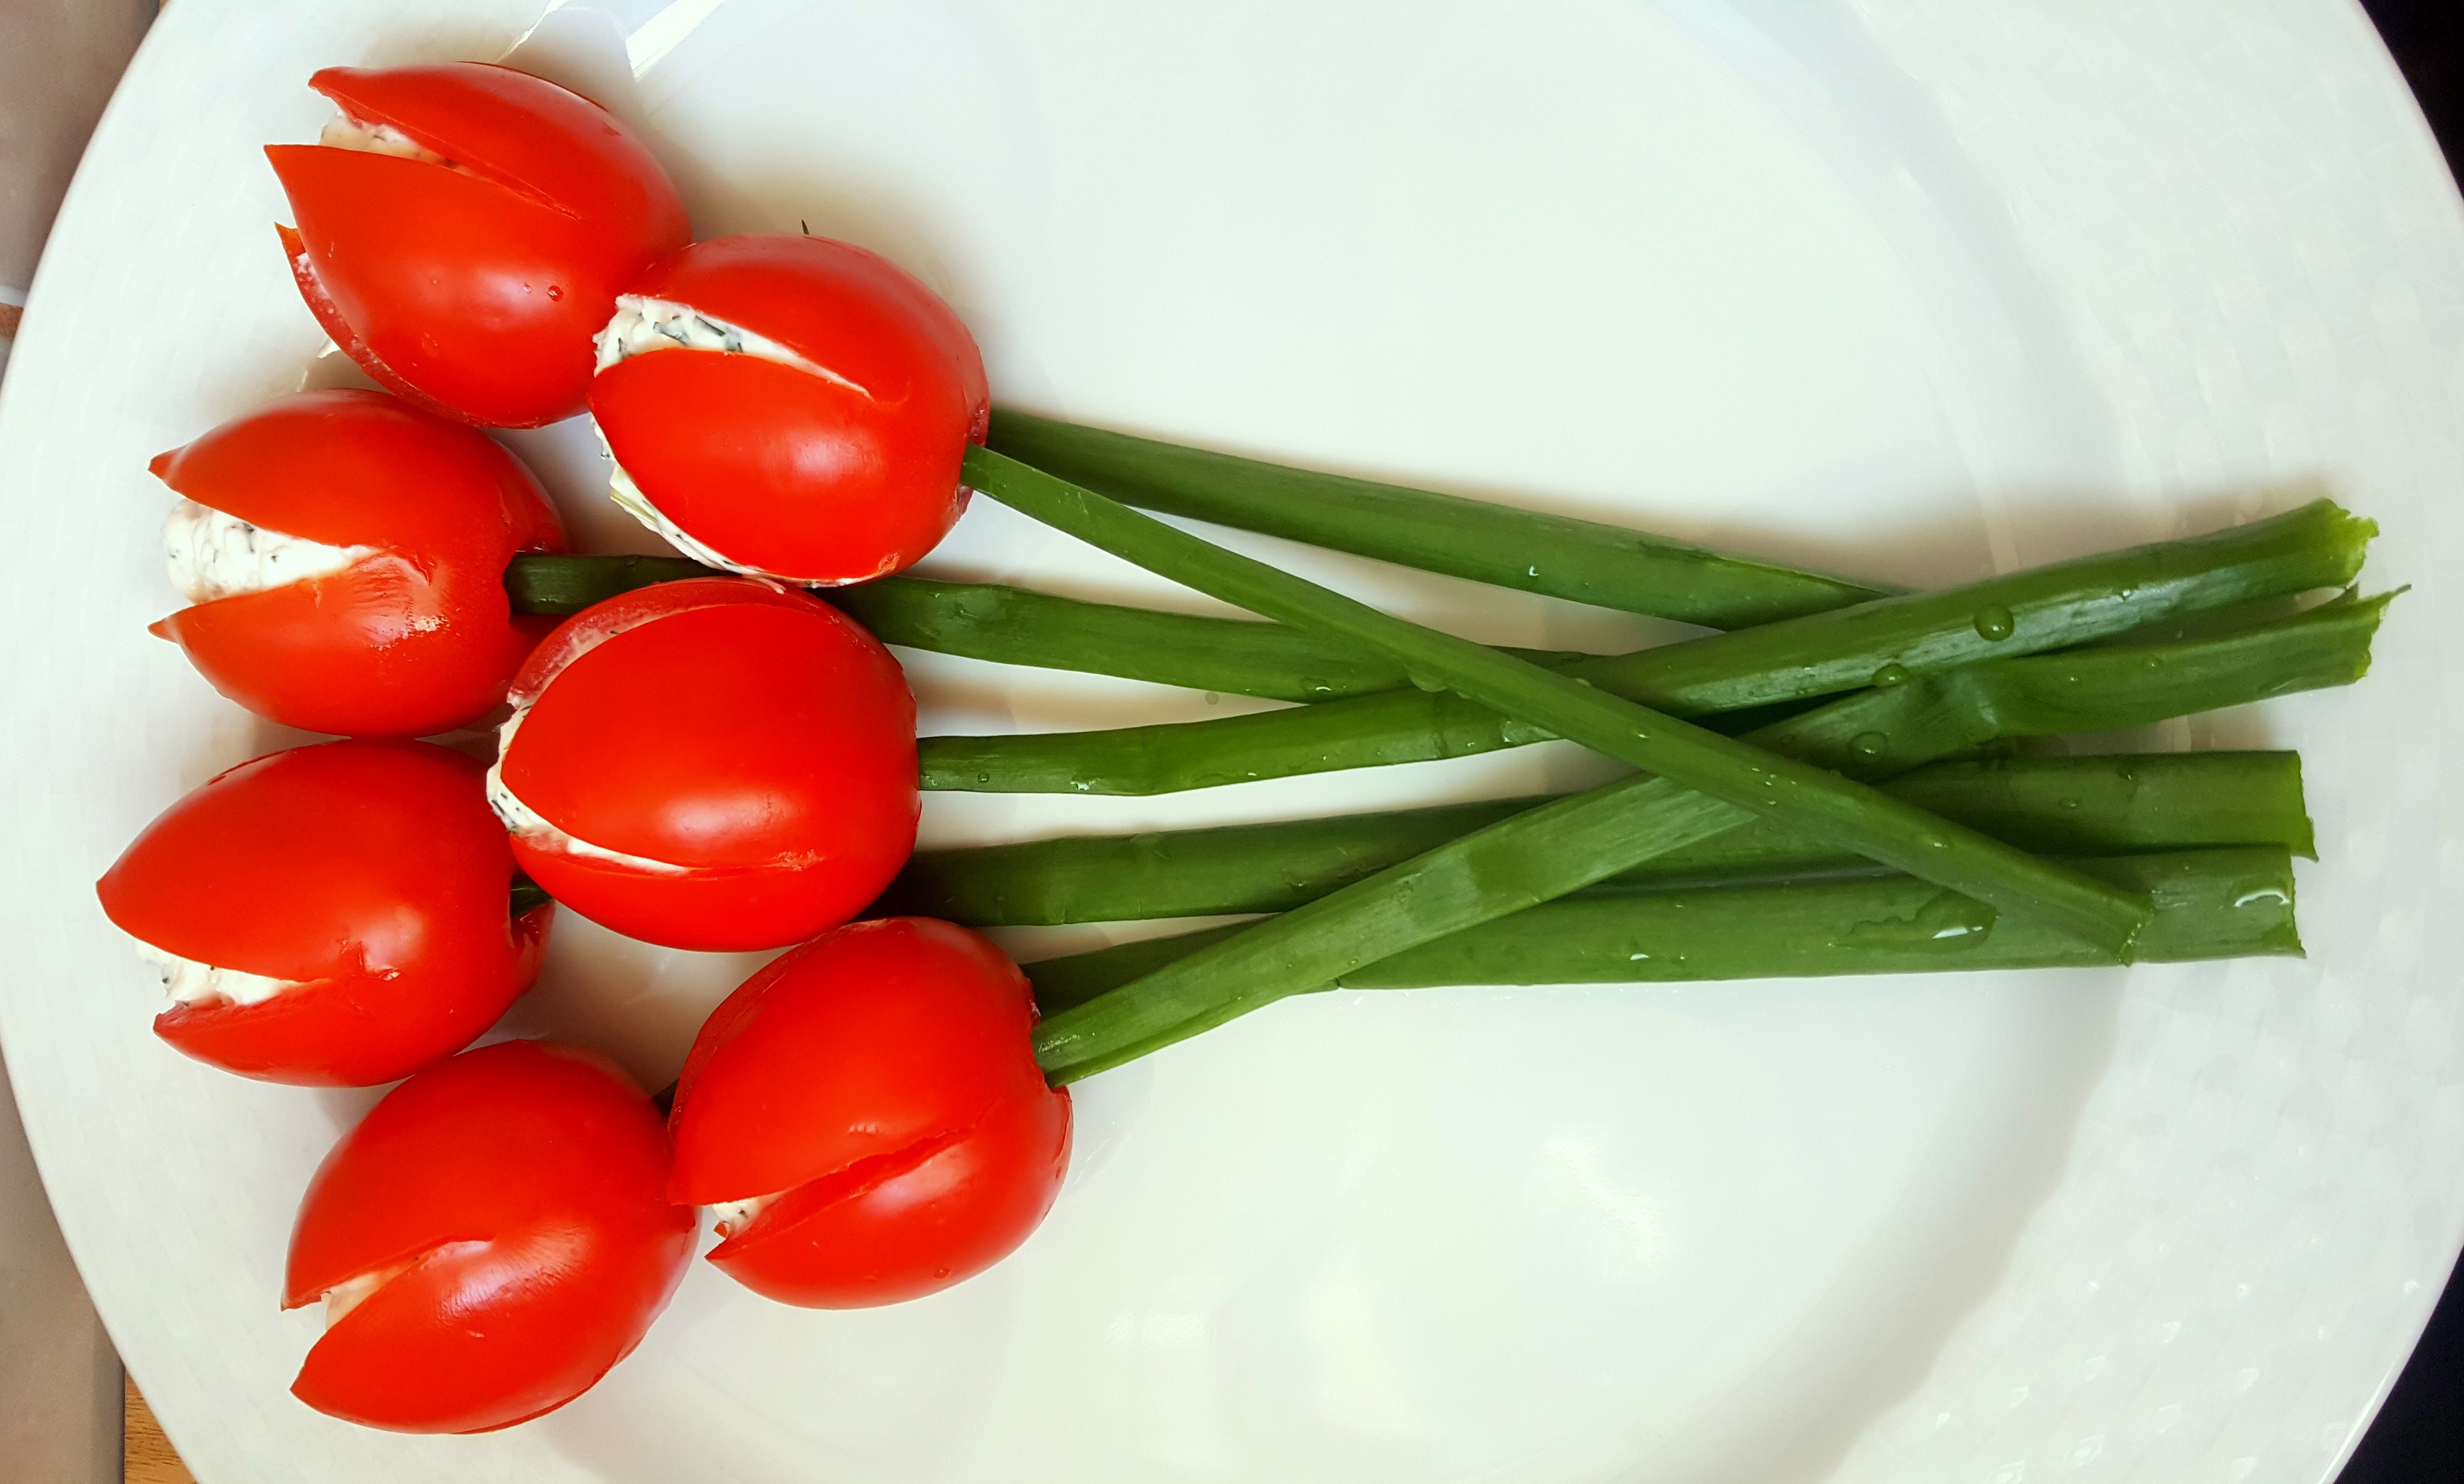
point(1013, 625)
point(1583, 561)
point(1703, 783)
point(2090, 805)
point(1881, 643)
point(2232, 903)
point(1554, 849)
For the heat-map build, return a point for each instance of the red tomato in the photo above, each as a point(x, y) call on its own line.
point(717, 763)
point(875, 1092)
point(417, 639)
point(474, 284)
point(500, 1233)
point(368, 876)
point(840, 470)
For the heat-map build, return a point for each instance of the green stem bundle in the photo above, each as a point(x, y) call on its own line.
point(1706, 783)
point(1559, 848)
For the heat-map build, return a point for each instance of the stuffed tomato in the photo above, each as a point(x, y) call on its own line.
point(331, 915)
point(345, 556)
point(715, 763)
point(789, 405)
point(867, 1116)
point(464, 229)
point(489, 1241)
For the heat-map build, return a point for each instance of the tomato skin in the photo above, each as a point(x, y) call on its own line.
point(879, 1081)
point(475, 288)
point(524, 1182)
point(371, 871)
point(756, 741)
point(821, 478)
point(420, 638)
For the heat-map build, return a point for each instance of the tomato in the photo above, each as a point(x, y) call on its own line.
point(874, 1098)
point(489, 1241)
point(367, 879)
point(837, 464)
point(715, 763)
point(417, 637)
point(472, 279)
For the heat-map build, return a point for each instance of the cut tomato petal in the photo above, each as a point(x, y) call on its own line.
point(485, 301)
point(914, 1227)
point(476, 286)
point(418, 639)
point(877, 1091)
point(779, 468)
point(772, 797)
point(842, 469)
point(850, 311)
point(542, 141)
point(813, 1063)
point(370, 874)
point(521, 1185)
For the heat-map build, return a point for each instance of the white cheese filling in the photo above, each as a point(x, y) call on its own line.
point(646, 324)
point(732, 1217)
point(526, 824)
point(191, 983)
point(352, 1292)
point(213, 554)
point(344, 132)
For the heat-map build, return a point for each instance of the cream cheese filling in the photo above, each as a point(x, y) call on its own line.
point(344, 132)
point(732, 1217)
point(642, 324)
point(190, 982)
point(213, 554)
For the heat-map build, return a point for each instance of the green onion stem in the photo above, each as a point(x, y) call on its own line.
point(2109, 804)
point(2032, 612)
point(1584, 560)
point(2208, 903)
point(1556, 849)
point(1744, 778)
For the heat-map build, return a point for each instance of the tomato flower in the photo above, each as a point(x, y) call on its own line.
point(715, 763)
point(489, 1241)
point(464, 229)
point(345, 553)
point(790, 405)
point(868, 1117)
point(331, 915)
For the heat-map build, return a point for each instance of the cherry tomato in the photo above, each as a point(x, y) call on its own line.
point(416, 637)
point(336, 914)
point(717, 763)
point(489, 1241)
point(836, 464)
point(873, 1098)
point(467, 260)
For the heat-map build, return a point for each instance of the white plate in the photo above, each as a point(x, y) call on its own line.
point(1916, 288)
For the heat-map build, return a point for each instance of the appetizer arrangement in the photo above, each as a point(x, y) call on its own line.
point(1834, 781)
